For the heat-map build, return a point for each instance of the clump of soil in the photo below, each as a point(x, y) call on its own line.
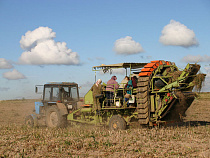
point(177, 112)
point(198, 81)
point(174, 75)
point(195, 68)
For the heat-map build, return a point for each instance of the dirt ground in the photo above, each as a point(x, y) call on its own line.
point(15, 111)
point(200, 109)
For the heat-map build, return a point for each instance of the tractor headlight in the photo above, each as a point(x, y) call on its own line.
point(69, 106)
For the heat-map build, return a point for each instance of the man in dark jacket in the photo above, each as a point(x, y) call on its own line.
point(97, 89)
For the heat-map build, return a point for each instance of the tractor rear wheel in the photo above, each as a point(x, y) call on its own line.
point(29, 121)
point(117, 123)
point(54, 118)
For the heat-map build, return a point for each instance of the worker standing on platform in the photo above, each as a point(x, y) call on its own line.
point(97, 90)
point(112, 85)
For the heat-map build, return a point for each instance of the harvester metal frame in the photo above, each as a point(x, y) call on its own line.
point(148, 110)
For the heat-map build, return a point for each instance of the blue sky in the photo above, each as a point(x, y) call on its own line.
point(92, 32)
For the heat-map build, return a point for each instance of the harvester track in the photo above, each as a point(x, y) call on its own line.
point(142, 99)
point(143, 90)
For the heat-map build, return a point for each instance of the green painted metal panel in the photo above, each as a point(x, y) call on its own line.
point(89, 97)
point(169, 86)
point(70, 116)
point(86, 109)
point(184, 72)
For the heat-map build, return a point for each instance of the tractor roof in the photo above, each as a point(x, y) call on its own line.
point(120, 65)
point(61, 84)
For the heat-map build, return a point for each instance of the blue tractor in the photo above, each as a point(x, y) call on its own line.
point(59, 99)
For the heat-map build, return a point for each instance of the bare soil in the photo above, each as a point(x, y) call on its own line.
point(17, 140)
point(15, 111)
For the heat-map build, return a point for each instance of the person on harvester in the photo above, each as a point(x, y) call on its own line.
point(97, 90)
point(129, 87)
point(112, 85)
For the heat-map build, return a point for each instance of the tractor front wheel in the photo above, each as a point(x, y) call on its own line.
point(29, 121)
point(54, 118)
point(117, 123)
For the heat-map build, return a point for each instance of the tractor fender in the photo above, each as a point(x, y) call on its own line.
point(38, 106)
point(62, 108)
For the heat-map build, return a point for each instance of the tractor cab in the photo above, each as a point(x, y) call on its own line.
point(61, 92)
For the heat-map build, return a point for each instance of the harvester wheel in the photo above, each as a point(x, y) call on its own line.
point(117, 123)
point(29, 121)
point(54, 118)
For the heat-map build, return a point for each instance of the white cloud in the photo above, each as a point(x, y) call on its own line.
point(86, 84)
point(196, 58)
point(127, 46)
point(40, 34)
point(41, 49)
point(177, 34)
point(207, 69)
point(4, 89)
point(192, 58)
point(13, 75)
point(4, 64)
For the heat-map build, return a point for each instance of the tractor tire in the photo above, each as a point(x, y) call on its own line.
point(117, 123)
point(29, 121)
point(54, 119)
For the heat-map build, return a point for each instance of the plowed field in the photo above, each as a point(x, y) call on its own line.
point(189, 139)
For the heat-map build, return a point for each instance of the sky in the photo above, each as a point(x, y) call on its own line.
point(61, 40)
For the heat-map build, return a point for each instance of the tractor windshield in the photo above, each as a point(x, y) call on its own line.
point(63, 93)
point(51, 94)
point(69, 93)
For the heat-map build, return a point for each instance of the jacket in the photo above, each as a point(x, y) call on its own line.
point(112, 84)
